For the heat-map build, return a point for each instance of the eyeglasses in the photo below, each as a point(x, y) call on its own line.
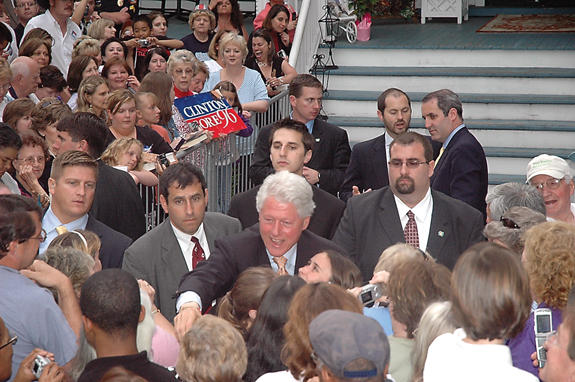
point(551, 184)
point(42, 237)
point(11, 341)
point(410, 163)
point(508, 223)
point(32, 160)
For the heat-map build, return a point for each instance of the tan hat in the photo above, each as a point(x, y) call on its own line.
point(548, 165)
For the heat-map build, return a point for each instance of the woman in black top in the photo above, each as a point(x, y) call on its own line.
point(274, 70)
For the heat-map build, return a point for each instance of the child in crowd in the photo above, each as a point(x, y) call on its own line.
point(126, 154)
point(85, 241)
point(149, 113)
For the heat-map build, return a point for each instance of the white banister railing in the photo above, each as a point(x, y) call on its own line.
point(307, 35)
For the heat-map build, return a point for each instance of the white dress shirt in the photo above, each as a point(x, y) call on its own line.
point(187, 246)
point(422, 211)
point(63, 44)
point(388, 141)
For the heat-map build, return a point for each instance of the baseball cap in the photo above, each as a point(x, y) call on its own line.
point(339, 337)
point(548, 165)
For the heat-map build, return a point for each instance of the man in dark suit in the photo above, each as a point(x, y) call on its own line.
point(461, 168)
point(330, 158)
point(280, 241)
point(407, 211)
point(163, 255)
point(367, 168)
point(72, 186)
point(117, 202)
point(290, 149)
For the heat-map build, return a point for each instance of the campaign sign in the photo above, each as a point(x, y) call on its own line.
point(210, 113)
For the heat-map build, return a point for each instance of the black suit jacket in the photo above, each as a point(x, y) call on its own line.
point(117, 202)
point(113, 246)
point(462, 171)
point(330, 155)
point(157, 257)
point(214, 277)
point(371, 223)
point(323, 222)
point(367, 167)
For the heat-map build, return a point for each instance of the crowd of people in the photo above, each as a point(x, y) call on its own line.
point(389, 262)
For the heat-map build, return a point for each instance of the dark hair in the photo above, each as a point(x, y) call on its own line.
point(395, 92)
point(291, 124)
point(303, 80)
point(52, 78)
point(181, 175)
point(115, 61)
point(142, 19)
point(274, 11)
point(446, 100)
point(111, 40)
point(16, 224)
point(16, 110)
point(86, 126)
point(77, 67)
point(262, 33)
point(229, 86)
point(155, 14)
point(265, 337)
point(410, 138)
point(490, 292)
point(236, 17)
point(111, 300)
point(343, 271)
point(160, 51)
point(9, 137)
point(413, 285)
point(5, 34)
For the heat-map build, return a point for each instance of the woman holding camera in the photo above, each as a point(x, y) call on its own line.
point(122, 116)
point(276, 23)
point(274, 70)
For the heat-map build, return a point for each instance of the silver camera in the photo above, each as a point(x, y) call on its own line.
point(143, 43)
point(369, 293)
point(40, 363)
point(543, 327)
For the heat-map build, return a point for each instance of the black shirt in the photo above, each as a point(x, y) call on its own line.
point(137, 363)
point(198, 48)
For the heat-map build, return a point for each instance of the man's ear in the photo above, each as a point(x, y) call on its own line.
point(51, 185)
point(307, 156)
point(83, 145)
point(142, 313)
point(164, 203)
point(252, 313)
point(452, 114)
point(206, 196)
point(380, 115)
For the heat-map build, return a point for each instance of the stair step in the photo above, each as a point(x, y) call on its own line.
point(495, 179)
point(525, 152)
point(473, 124)
point(446, 71)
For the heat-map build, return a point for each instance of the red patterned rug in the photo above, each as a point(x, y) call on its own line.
point(530, 24)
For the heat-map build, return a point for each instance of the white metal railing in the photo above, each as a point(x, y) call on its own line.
point(307, 35)
point(225, 164)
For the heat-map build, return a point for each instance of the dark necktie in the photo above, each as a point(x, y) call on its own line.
point(410, 231)
point(197, 253)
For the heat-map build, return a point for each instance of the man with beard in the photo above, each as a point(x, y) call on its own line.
point(408, 211)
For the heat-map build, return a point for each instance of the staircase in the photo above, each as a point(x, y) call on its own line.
point(518, 98)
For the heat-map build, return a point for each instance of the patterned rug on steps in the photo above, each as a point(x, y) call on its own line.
point(530, 24)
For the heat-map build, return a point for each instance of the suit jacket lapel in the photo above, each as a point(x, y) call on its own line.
point(211, 233)
point(379, 160)
point(440, 228)
point(388, 218)
point(172, 255)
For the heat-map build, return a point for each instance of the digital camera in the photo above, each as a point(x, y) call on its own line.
point(40, 363)
point(369, 293)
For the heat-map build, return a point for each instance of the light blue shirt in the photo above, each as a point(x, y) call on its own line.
point(50, 222)
point(252, 89)
point(452, 134)
point(290, 255)
point(308, 124)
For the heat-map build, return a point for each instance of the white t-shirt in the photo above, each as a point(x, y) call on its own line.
point(451, 359)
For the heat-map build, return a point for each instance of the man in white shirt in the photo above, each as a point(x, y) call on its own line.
point(552, 177)
point(63, 30)
point(407, 211)
point(163, 255)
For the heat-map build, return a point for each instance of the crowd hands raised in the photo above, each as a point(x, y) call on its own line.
point(338, 265)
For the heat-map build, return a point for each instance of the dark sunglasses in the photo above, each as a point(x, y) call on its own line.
point(508, 223)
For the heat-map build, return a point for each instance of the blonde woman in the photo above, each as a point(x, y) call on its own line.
point(93, 96)
point(126, 154)
point(87, 46)
point(102, 29)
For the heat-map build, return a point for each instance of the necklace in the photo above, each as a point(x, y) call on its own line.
point(261, 64)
